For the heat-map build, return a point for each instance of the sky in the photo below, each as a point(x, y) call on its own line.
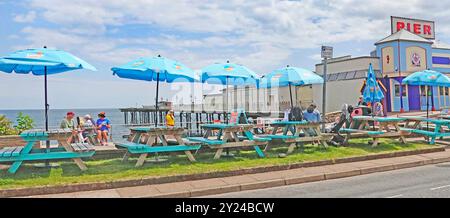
point(263, 35)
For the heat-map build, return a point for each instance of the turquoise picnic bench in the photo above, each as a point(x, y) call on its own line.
point(152, 140)
point(311, 133)
point(75, 151)
point(228, 137)
point(360, 127)
point(438, 131)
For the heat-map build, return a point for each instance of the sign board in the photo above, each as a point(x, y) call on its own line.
point(327, 52)
point(423, 28)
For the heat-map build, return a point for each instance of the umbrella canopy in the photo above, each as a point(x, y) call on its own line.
point(372, 92)
point(228, 74)
point(156, 69)
point(42, 61)
point(428, 78)
point(36, 60)
point(288, 76)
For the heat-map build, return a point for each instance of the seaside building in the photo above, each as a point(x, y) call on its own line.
point(411, 47)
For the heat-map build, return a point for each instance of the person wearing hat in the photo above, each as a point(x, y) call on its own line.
point(103, 126)
point(87, 126)
point(170, 119)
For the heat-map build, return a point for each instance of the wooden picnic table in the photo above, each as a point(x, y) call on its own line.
point(146, 140)
point(74, 151)
point(382, 130)
point(415, 120)
point(228, 137)
point(310, 130)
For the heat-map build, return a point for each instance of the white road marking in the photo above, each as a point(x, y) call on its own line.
point(395, 196)
point(440, 187)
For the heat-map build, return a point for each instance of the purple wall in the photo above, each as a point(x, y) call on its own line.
point(414, 97)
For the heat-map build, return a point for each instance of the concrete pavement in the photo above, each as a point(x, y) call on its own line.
point(265, 180)
point(430, 181)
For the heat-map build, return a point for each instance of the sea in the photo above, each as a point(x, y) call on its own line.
point(55, 116)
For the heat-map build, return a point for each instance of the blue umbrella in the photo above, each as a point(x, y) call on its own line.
point(372, 92)
point(42, 61)
point(229, 74)
point(156, 69)
point(427, 78)
point(288, 76)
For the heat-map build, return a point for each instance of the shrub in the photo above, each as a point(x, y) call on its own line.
point(6, 127)
point(24, 122)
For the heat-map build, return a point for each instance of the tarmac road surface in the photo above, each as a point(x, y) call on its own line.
point(430, 181)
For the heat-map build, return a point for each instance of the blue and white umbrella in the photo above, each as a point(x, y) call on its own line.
point(156, 69)
point(288, 76)
point(42, 61)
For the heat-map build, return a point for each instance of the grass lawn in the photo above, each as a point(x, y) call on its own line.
point(114, 169)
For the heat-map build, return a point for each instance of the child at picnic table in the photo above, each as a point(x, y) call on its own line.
point(103, 126)
point(170, 119)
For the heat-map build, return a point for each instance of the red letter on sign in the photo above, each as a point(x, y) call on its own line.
point(427, 29)
point(416, 28)
point(400, 25)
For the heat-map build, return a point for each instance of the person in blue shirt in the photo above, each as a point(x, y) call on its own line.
point(103, 126)
point(312, 115)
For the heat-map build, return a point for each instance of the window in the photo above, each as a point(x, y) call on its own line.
point(333, 77)
point(446, 91)
point(441, 90)
point(397, 90)
point(360, 74)
point(342, 76)
point(422, 91)
point(350, 75)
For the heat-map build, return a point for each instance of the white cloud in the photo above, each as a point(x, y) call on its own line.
point(25, 18)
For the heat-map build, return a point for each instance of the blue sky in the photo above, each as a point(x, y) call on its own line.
point(263, 35)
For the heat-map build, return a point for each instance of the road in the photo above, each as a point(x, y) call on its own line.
point(431, 181)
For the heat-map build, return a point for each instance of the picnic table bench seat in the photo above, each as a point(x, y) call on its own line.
point(206, 141)
point(368, 132)
point(282, 136)
point(137, 148)
point(10, 151)
point(82, 147)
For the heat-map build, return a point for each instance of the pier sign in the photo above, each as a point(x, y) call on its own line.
point(423, 28)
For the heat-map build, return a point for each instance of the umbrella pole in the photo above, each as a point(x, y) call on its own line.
point(290, 94)
point(156, 99)
point(47, 143)
point(428, 138)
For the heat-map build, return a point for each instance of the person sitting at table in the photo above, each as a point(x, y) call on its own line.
point(312, 115)
point(170, 119)
point(87, 126)
point(69, 123)
point(103, 126)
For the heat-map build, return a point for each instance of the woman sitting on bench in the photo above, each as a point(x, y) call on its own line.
point(103, 126)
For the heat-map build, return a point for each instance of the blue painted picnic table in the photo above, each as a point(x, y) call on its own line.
point(228, 137)
point(310, 130)
point(74, 151)
point(382, 130)
point(438, 131)
point(147, 140)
